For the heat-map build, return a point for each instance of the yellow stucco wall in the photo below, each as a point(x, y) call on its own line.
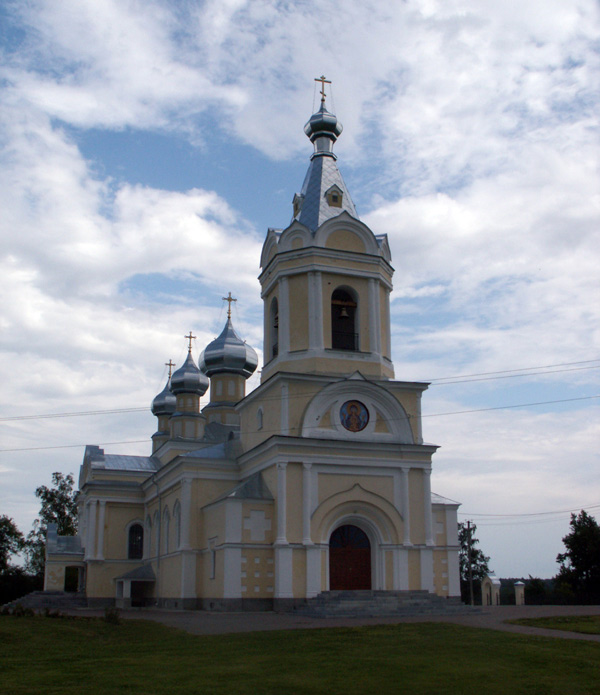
point(330, 484)
point(258, 573)
point(345, 240)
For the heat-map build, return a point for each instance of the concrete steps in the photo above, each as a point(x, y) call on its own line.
point(53, 600)
point(372, 604)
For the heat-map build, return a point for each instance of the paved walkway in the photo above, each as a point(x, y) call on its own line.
point(494, 618)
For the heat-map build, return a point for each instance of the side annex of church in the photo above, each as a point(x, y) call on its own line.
point(317, 480)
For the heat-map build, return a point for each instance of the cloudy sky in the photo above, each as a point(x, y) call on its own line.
point(146, 146)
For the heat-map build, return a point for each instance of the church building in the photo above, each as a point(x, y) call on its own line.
point(317, 480)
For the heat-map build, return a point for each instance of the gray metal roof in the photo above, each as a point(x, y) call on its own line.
point(166, 401)
point(322, 174)
point(323, 129)
point(117, 462)
point(144, 573)
point(438, 499)
point(254, 488)
point(189, 379)
point(228, 354)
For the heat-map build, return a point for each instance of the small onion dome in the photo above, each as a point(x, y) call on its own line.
point(189, 379)
point(323, 124)
point(166, 402)
point(228, 354)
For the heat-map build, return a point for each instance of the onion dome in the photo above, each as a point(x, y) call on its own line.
point(324, 126)
point(166, 402)
point(228, 354)
point(189, 379)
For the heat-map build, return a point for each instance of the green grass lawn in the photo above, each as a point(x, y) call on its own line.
point(81, 656)
point(588, 624)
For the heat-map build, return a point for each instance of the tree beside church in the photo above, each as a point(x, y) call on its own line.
point(317, 480)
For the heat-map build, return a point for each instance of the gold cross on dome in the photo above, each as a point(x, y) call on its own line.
point(323, 82)
point(170, 364)
point(190, 337)
point(229, 299)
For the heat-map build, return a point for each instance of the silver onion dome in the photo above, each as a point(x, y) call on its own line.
point(189, 379)
point(228, 354)
point(323, 129)
point(166, 402)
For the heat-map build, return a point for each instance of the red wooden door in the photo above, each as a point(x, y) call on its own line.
point(349, 559)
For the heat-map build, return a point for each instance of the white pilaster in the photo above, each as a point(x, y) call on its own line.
point(232, 568)
point(90, 547)
point(306, 503)
point(284, 316)
point(315, 308)
point(427, 569)
point(285, 409)
point(283, 572)
point(186, 513)
point(419, 422)
point(233, 521)
point(406, 506)
point(388, 329)
point(281, 538)
point(402, 565)
point(427, 507)
point(188, 574)
point(313, 571)
point(101, 519)
point(374, 318)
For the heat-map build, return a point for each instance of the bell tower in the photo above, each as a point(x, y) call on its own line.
point(326, 279)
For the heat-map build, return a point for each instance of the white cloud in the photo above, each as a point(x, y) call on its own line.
point(475, 128)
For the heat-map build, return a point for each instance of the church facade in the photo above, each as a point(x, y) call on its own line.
point(317, 480)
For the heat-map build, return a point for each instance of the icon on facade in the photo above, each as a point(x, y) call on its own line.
point(354, 416)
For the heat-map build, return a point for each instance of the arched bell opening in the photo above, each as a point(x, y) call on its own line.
point(344, 307)
point(274, 327)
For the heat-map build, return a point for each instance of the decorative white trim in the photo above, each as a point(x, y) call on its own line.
point(313, 570)
point(306, 502)
point(405, 511)
point(232, 571)
point(101, 520)
point(426, 557)
point(315, 311)
point(427, 507)
point(285, 409)
point(284, 316)
point(281, 538)
point(332, 397)
point(283, 572)
point(374, 318)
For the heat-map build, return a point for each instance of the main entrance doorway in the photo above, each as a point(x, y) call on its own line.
point(349, 559)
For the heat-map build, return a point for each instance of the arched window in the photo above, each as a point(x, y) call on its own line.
point(135, 542)
point(274, 327)
point(259, 419)
point(344, 335)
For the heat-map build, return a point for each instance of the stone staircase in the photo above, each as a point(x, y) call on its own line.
point(374, 604)
point(53, 600)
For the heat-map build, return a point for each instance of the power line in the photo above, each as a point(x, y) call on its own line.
point(444, 380)
point(456, 412)
point(532, 514)
point(74, 446)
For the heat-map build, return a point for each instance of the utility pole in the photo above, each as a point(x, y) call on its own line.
point(470, 563)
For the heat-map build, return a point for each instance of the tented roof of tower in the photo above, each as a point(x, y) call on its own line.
point(322, 174)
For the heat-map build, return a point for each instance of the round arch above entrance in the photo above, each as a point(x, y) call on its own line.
point(349, 559)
